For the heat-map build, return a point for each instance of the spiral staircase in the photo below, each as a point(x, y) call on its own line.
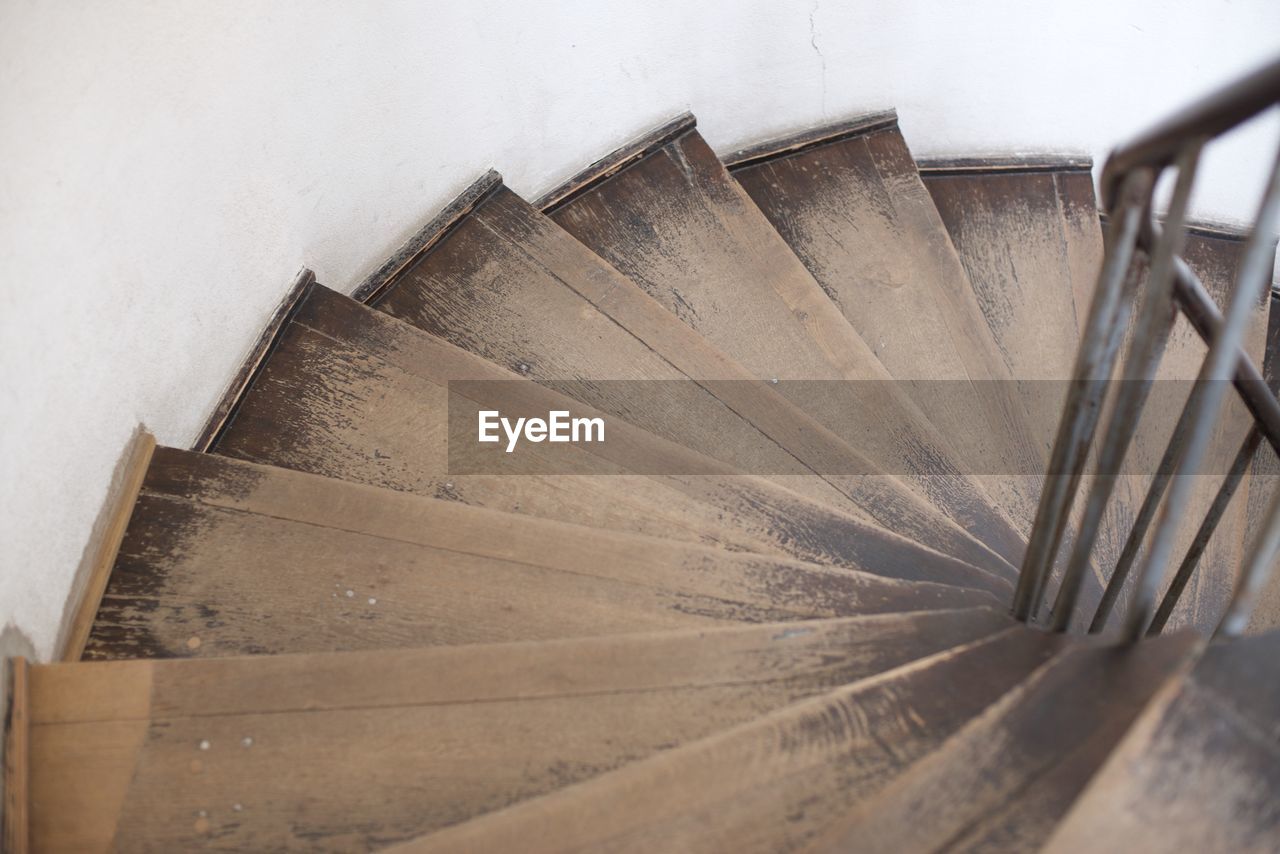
point(814, 590)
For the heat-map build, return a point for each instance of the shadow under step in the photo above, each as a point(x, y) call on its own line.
point(229, 558)
point(772, 784)
point(352, 751)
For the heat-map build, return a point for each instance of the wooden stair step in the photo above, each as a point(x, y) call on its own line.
point(674, 222)
point(772, 784)
point(1006, 779)
point(354, 394)
point(849, 202)
point(1199, 771)
point(225, 558)
point(1026, 230)
point(506, 283)
point(352, 751)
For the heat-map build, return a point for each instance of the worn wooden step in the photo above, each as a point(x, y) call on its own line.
point(497, 278)
point(666, 214)
point(1005, 780)
point(1199, 771)
point(352, 393)
point(848, 200)
point(228, 558)
point(772, 784)
point(353, 751)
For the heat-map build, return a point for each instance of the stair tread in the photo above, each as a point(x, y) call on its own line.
point(677, 225)
point(1220, 720)
point(333, 566)
point(771, 784)
point(511, 286)
point(854, 210)
point(354, 394)
point(1008, 777)
point(394, 744)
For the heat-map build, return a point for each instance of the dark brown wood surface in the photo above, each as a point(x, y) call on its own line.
point(509, 285)
point(351, 752)
point(334, 566)
point(772, 784)
point(680, 227)
point(856, 213)
point(354, 394)
point(1005, 780)
point(1199, 771)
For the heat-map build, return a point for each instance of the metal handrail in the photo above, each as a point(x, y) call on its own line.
point(1172, 289)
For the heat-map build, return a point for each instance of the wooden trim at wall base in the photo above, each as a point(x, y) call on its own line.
point(101, 554)
point(940, 167)
point(613, 163)
point(795, 143)
point(225, 411)
point(17, 762)
point(381, 280)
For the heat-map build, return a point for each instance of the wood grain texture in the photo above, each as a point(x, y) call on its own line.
point(107, 546)
point(856, 213)
point(509, 285)
point(353, 394)
point(354, 751)
point(17, 757)
point(1199, 771)
point(333, 566)
point(677, 225)
point(1005, 780)
point(772, 784)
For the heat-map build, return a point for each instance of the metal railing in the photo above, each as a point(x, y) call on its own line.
point(1128, 185)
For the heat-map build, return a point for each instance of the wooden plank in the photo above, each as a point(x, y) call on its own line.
point(677, 225)
point(17, 758)
point(509, 285)
point(356, 395)
point(334, 567)
point(1027, 233)
point(122, 497)
point(354, 751)
point(1007, 778)
point(854, 210)
point(772, 784)
point(1199, 771)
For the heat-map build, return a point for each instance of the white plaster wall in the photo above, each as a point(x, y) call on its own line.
point(166, 167)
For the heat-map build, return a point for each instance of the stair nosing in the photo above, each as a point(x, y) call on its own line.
point(805, 140)
point(606, 167)
point(942, 167)
point(232, 398)
point(377, 283)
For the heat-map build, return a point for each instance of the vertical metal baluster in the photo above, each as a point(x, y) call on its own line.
point(1215, 376)
point(1093, 365)
point(1219, 506)
point(1139, 370)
